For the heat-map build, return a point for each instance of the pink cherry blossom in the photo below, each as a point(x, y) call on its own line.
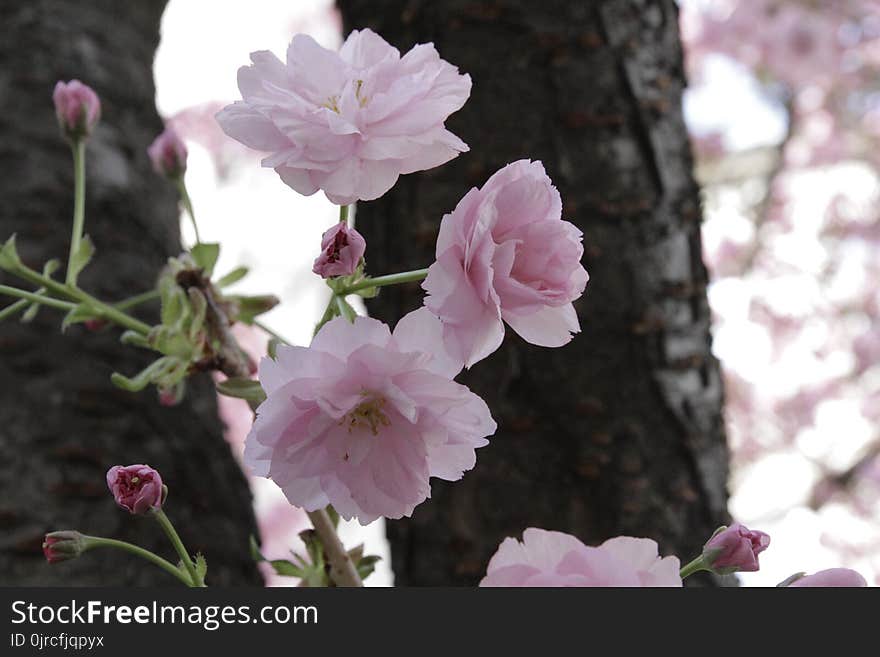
point(341, 250)
point(136, 488)
point(505, 255)
point(548, 558)
point(841, 577)
point(168, 154)
point(348, 123)
point(362, 418)
point(735, 548)
point(78, 108)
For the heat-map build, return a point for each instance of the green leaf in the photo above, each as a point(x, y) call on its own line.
point(242, 388)
point(249, 308)
point(81, 257)
point(233, 277)
point(367, 565)
point(368, 292)
point(9, 259)
point(272, 348)
point(82, 312)
point(256, 555)
point(201, 566)
point(174, 305)
point(286, 568)
point(334, 516)
point(205, 256)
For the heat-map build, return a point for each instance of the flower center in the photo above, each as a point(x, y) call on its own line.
point(369, 414)
point(332, 103)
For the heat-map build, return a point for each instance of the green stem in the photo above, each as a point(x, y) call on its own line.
point(98, 541)
point(344, 308)
point(79, 204)
point(187, 205)
point(137, 300)
point(35, 298)
point(174, 537)
point(266, 329)
point(693, 567)
point(389, 279)
point(14, 308)
point(329, 313)
point(74, 293)
point(343, 214)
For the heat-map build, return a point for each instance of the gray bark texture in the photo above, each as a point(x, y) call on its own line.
point(62, 423)
point(620, 432)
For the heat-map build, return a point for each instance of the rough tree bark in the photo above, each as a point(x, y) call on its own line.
point(62, 423)
point(619, 432)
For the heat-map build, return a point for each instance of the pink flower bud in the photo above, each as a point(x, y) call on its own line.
point(735, 548)
point(341, 250)
point(78, 108)
point(168, 154)
point(63, 545)
point(136, 488)
point(840, 577)
point(95, 325)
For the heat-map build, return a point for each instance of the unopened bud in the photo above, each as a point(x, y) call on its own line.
point(78, 108)
point(64, 545)
point(168, 154)
point(341, 251)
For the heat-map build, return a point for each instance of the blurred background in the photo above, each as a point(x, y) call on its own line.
point(783, 109)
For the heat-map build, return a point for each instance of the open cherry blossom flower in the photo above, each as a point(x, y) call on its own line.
point(350, 122)
point(548, 558)
point(505, 255)
point(363, 418)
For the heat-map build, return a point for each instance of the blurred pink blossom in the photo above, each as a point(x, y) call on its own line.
point(505, 255)
point(168, 154)
point(362, 418)
point(548, 558)
point(350, 122)
point(840, 577)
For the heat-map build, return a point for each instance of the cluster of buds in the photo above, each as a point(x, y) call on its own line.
point(195, 330)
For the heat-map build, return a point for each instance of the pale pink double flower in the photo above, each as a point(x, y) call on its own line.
point(363, 418)
point(505, 255)
point(348, 122)
point(548, 558)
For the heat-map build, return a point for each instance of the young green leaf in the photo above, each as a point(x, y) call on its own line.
point(242, 388)
point(205, 256)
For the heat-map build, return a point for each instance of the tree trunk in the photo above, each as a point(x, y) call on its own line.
point(62, 423)
point(619, 432)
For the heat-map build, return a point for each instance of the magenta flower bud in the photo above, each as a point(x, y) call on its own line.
point(136, 488)
point(78, 108)
point(95, 325)
point(735, 548)
point(341, 250)
point(168, 154)
point(63, 545)
point(838, 577)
